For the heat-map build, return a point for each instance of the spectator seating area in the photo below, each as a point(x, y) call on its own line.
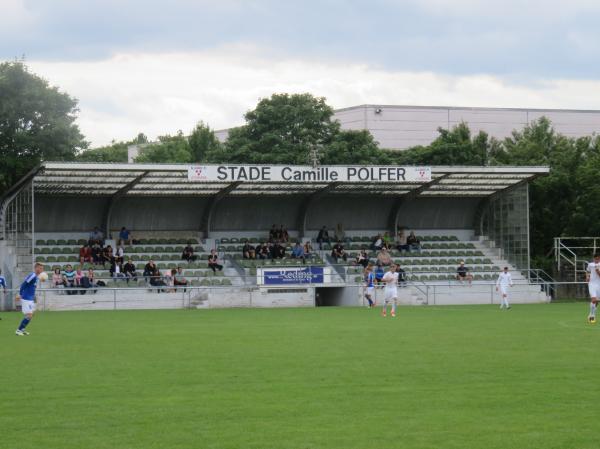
point(166, 253)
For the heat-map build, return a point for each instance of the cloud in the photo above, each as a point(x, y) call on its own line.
point(162, 93)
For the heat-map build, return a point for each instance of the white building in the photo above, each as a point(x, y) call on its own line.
point(401, 127)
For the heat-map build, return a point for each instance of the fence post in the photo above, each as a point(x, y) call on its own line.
point(114, 299)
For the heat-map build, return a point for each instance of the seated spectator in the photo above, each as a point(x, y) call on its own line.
point(125, 236)
point(85, 254)
point(387, 240)
point(96, 236)
point(262, 251)
point(169, 279)
point(88, 281)
point(150, 270)
point(78, 277)
point(129, 270)
point(107, 255)
point(413, 242)
point(337, 252)
point(58, 279)
point(384, 257)
point(277, 251)
point(323, 237)
point(116, 268)
point(362, 258)
point(401, 276)
point(188, 253)
point(379, 273)
point(248, 251)
point(213, 261)
point(273, 234)
point(69, 279)
point(308, 250)
point(284, 236)
point(156, 280)
point(462, 273)
point(120, 255)
point(179, 279)
point(96, 254)
point(377, 243)
point(402, 242)
point(298, 252)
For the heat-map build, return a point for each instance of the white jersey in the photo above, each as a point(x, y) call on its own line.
point(594, 276)
point(504, 280)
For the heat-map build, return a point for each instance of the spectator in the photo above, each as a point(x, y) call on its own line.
point(96, 254)
point(277, 251)
point(362, 258)
point(179, 279)
point(107, 255)
point(248, 251)
point(402, 242)
point(150, 270)
point(188, 253)
point(57, 279)
point(125, 236)
point(262, 251)
point(88, 281)
point(298, 252)
point(120, 255)
point(85, 254)
point(387, 240)
point(337, 252)
point(273, 234)
point(384, 257)
point(156, 280)
point(78, 277)
point(377, 243)
point(339, 233)
point(413, 242)
point(462, 273)
point(96, 236)
point(323, 237)
point(308, 250)
point(401, 276)
point(129, 270)
point(116, 269)
point(213, 261)
point(169, 279)
point(69, 279)
point(284, 236)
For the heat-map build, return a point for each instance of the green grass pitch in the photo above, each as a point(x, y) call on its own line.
point(433, 378)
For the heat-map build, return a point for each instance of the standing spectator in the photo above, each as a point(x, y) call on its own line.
point(129, 270)
point(339, 233)
point(402, 242)
point(179, 279)
point(362, 258)
point(248, 251)
point(273, 233)
point(125, 236)
point(384, 257)
point(188, 253)
point(298, 252)
point(337, 252)
point(323, 237)
point(413, 242)
point(96, 236)
point(69, 279)
point(462, 273)
point(213, 261)
point(85, 254)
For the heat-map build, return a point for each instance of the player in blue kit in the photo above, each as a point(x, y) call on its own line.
point(27, 295)
point(370, 285)
point(2, 283)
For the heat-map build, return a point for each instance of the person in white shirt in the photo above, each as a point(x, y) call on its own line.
point(391, 290)
point(504, 281)
point(592, 277)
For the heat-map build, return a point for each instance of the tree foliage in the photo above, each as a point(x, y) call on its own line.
point(36, 123)
point(173, 149)
point(115, 152)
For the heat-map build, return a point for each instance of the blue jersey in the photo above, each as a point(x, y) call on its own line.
point(2, 282)
point(370, 279)
point(27, 290)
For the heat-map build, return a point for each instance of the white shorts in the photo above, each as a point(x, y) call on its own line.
point(391, 294)
point(594, 289)
point(503, 290)
point(27, 306)
point(370, 291)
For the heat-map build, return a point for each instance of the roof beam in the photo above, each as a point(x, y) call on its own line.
point(308, 201)
point(207, 215)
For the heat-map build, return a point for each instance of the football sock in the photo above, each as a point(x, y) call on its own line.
point(24, 323)
point(370, 300)
point(394, 307)
point(593, 309)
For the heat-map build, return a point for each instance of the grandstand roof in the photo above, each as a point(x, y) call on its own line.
point(107, 179)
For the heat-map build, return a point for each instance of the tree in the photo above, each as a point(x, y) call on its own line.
point(282, 129)
point(115, 152)
point(173, 149)
point(353, 147)
point(37, 123)
point(203, 143)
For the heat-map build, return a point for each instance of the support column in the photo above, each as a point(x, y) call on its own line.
point(305, 206)
point(207, 215)
point(106, 216)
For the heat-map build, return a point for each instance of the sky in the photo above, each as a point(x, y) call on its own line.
point(161, 66)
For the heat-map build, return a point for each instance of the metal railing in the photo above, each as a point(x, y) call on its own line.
point(574, 252)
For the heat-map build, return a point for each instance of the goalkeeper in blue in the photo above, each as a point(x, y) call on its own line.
point(27, 295)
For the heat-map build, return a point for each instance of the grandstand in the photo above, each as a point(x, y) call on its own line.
point(475, 214)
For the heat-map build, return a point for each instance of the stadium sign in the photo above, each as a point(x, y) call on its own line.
point(288, 276)
point(304, 173)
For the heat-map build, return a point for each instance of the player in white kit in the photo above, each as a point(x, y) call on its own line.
point(592, 277)
point(391, 290)
point(504, 281)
